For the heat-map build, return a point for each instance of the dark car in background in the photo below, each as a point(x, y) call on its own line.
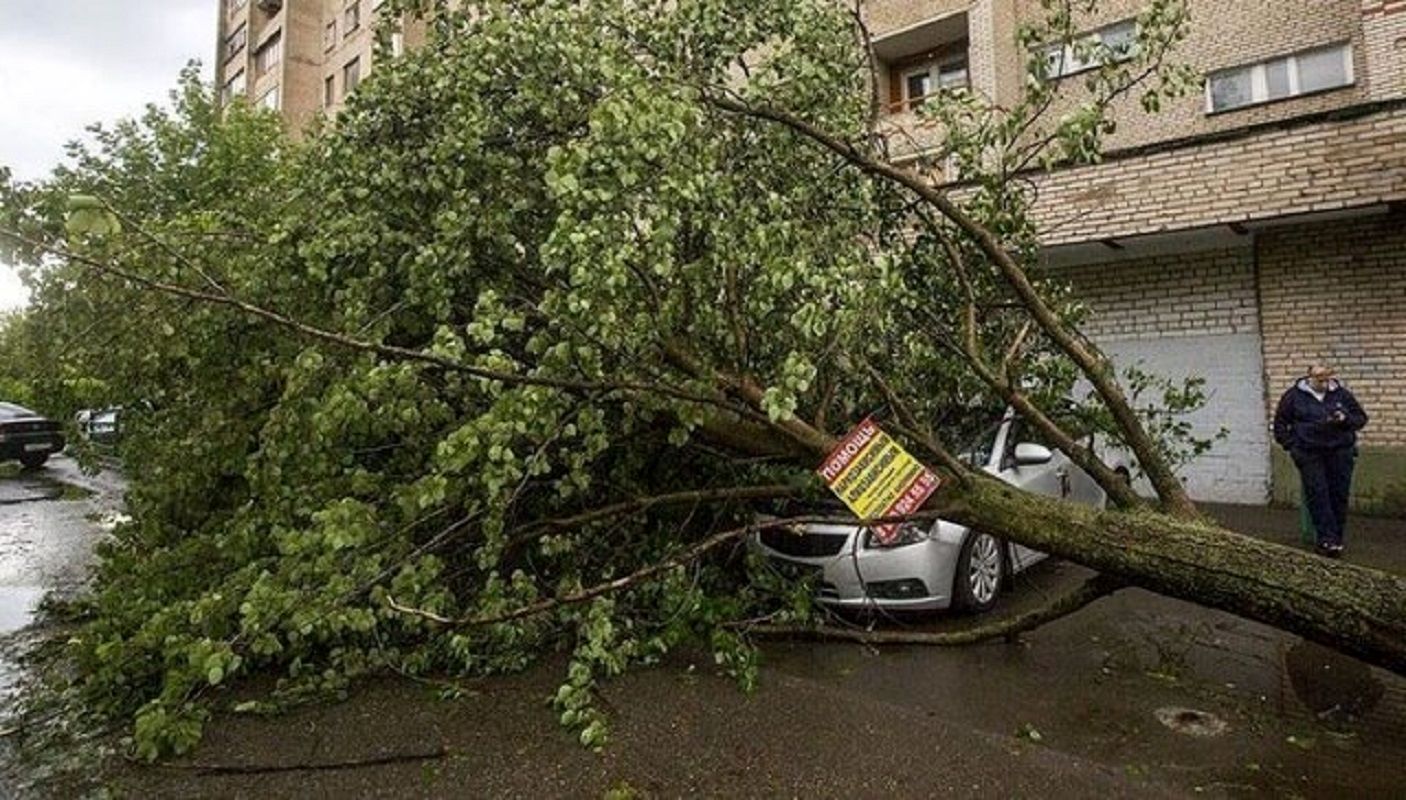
point(27, 437)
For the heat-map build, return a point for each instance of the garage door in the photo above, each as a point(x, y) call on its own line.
point(1236, 469)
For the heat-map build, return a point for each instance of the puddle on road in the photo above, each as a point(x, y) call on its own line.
point(1334, 687)
point(17, 606)
point(19, 494)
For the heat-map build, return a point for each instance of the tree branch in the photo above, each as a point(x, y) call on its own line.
point(1091, 363)
point(328, 766)
point(391, 352)
point(1111, 482)
point(1009, 629)
point(922, 434)
point(647, 573)
point(537, 528)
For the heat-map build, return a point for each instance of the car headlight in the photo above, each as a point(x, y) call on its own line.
point(908, 533)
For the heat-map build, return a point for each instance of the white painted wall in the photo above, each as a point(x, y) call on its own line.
point(1236, 469)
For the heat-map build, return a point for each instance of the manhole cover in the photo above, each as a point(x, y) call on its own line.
point(1192, 722)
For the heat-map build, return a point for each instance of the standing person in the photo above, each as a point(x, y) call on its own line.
point(1317, 422)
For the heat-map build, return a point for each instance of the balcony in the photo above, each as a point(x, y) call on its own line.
point(920, 61)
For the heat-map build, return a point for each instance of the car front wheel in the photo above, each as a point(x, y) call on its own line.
point(34, 460)
point(981, 569)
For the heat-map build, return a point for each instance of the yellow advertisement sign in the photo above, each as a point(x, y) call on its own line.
point(876, 477)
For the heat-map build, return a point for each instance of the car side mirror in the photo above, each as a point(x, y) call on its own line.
point(1028, 454)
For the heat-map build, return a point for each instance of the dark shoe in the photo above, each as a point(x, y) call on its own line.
point(1330, 550)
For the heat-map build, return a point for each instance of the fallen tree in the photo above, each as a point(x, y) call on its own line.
point(500, 363)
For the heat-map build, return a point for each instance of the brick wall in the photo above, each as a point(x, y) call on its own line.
point(1336, 293)
point(1224, 34)
point(1384, 47)
point(1323, 166)
point(1169, 296)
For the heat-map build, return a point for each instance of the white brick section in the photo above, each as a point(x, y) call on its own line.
point(1177, 295)
point(1336, 293)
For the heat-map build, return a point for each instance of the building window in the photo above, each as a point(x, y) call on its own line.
point(1118, 41)
point(351, 19)
point(270, 100)
point(236, 41)
point(234, 87)
point(929, 77)
point(1301, 73)
point(329, 35)
point(270, 55)
point(351, 75)
point(329, 91)
point(234, 5)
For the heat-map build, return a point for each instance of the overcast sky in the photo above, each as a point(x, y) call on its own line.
point(65, 64)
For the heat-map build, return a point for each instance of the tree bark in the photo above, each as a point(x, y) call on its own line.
point(1008, 629)
point(1352, 609)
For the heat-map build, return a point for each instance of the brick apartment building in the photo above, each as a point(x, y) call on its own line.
point(300, 58)
point(1247, 230)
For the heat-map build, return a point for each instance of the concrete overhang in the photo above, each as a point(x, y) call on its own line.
point(1225, 236)
point(922, 37)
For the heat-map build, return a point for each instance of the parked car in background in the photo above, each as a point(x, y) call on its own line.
point(99, 425)
point(938, 565)
point(27, 437)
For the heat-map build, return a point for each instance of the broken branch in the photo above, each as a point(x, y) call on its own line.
point(1009, 629)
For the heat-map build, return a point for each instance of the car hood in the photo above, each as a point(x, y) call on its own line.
point(10, 411)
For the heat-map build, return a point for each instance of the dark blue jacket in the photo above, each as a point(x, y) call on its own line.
point(1303, 422)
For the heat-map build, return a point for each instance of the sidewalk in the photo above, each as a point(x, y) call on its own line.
point(1378, 542)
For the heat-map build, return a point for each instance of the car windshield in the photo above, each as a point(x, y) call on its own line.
point(10, 410)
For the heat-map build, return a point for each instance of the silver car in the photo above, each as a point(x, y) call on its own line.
point(941, 565)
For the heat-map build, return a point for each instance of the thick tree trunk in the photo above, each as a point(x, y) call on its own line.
point(1355, 610)
point(1358, 611)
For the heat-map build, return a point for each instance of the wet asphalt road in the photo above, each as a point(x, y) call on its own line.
point(50, 519)
point(1136, 696)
